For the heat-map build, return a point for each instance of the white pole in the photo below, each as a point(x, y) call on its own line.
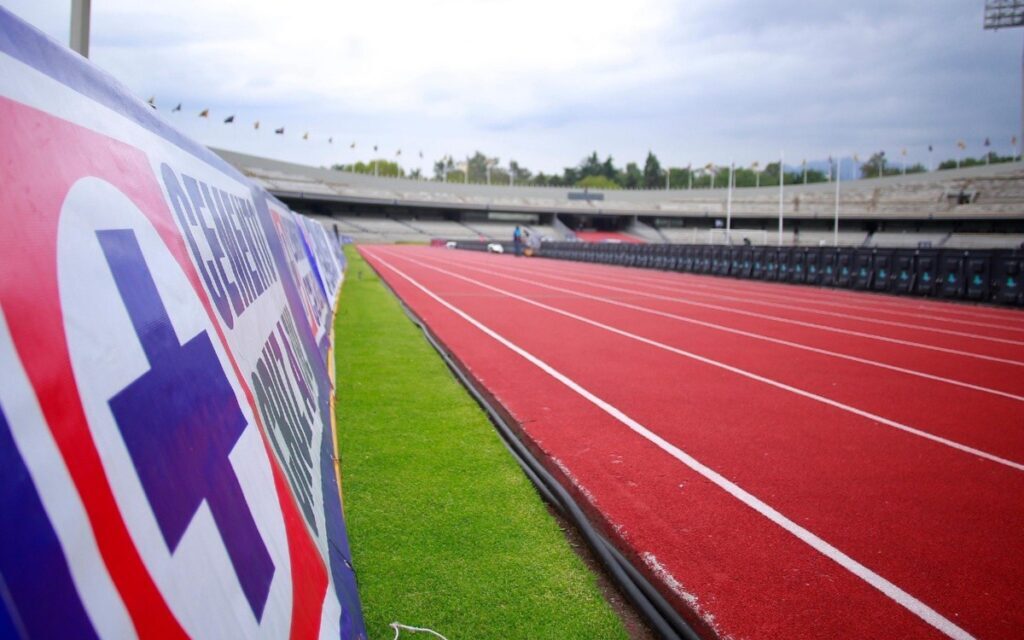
point(668, 176)
point(835, 228)
point(782, 180)
point(728, 206)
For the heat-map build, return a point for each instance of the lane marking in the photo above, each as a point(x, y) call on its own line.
point(730, 368)
point(667, 285)
point(756, 336)
point(758, 286)
point(836, 314)
point(893, 592)
point(812, 325)
point(877, 300)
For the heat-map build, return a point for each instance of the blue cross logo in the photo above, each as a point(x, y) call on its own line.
point(180, 420)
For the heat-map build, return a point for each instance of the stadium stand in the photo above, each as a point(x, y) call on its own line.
point(973, 207)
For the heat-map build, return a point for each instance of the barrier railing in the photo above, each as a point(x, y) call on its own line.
point(992, 276)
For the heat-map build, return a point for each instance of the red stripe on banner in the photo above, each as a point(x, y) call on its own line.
point(52, 155)
point(44, 158)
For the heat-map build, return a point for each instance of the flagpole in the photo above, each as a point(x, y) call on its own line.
point(835, 228)
point(782, 180)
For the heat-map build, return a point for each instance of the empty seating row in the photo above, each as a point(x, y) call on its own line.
point(980, 275)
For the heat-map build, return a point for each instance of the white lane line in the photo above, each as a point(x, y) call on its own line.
point(727, 367)
point(812, 325)
point(719, 327)
point(863, 298)
point(665, 284)
point(844, 316)
point(898, 595)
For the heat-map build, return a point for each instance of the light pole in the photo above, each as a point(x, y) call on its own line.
point(1003, 14)
point(839, 179)
point(81, 11)
point(728, 205)
point(782, 181)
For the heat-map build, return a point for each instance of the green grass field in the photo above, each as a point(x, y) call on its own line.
point(446, 531)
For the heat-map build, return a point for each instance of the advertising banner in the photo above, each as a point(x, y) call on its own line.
point(167, 459)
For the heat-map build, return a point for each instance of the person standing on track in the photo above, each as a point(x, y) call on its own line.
point(517, 240)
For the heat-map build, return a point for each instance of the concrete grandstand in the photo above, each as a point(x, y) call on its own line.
point(976, 207)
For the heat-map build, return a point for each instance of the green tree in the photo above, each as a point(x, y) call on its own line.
point(383, 168)
point(597, 182)
point(633, 177)
point(653, 177)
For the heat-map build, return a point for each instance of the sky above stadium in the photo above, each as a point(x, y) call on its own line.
point(546, 82)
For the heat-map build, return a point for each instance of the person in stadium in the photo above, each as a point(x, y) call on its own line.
point(517, 240)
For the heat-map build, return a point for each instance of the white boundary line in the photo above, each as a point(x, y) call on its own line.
point(875, 300)
point(834, 314)
point(898, 595)
point(667, 284)
point(879, 301)
point(738, 371)
point(812, 325)
point(756, 336)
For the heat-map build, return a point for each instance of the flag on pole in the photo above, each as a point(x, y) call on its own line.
point(279, 131)
point(929, 148)
point(398, 153)
point(421, 153)
point(205, 113)
point(961, 144)
point(374, 148)
point(229, 119)
point(903, 152)
point(1013, 141)
point(256, 125)
point(330, 140)
point(353, 145)
point(305, 136)
point(177, 108)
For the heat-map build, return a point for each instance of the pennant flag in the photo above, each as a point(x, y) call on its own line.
point(753, 166)
point(305, 136)
point(353, 145)
point(374, 147)
point(177, 108)
point(398, 153)
point(987, 142)
point(961, 144)
point(229, 119)
point(152, 101)
point(205, 113)
point(256, 125)
point(421, 153)
point(929, 148)
point(330, 140)
point(279, 131)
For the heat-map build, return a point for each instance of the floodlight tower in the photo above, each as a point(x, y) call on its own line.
point(1004, 14)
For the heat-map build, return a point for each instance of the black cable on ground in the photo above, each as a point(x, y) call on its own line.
point(660, 615)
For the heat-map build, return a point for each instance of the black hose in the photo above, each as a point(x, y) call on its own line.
point(660, 615)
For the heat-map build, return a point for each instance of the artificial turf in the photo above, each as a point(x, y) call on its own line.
point(446, 531)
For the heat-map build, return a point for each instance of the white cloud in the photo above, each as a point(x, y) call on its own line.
point(548, 81)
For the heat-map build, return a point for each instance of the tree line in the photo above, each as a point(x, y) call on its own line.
point(594, 173)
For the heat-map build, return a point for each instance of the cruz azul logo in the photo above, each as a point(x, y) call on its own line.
point(158, 394)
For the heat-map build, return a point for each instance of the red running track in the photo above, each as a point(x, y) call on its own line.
point(777, 470)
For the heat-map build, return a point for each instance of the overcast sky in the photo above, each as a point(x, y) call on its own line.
point(546, 82)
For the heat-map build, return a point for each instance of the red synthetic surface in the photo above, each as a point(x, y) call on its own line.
point(604, 236)
point(943, 524)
